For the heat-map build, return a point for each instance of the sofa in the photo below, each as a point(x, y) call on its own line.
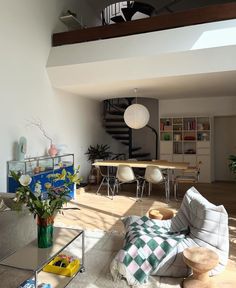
point(17, 228)
point(206, 225)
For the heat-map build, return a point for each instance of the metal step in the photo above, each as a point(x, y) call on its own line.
point(114, 119)
point(140, 155)
point(134, 149)
point(114, 112)
point(116, 126)
point(118, 132)
point(122, 105)
point(121, 138)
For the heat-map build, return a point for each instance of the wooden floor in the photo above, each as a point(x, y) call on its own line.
point(103, 213)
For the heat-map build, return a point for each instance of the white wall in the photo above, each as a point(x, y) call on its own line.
point(225, 145)
point(211, 106)
point(26, 92)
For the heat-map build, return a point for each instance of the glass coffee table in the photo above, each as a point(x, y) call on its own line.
point(31, 260)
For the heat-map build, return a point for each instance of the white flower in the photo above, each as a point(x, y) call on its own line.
point(25, 180)
point(37, 189)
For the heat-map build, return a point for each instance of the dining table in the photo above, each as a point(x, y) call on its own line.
point(169, 166)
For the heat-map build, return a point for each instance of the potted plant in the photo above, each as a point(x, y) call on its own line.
point(45, 202)
point(97, 152)
point(232, 164)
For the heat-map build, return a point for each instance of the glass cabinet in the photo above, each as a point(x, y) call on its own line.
point(39, 168)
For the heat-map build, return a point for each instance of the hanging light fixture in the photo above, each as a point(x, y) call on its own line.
point(136, 116)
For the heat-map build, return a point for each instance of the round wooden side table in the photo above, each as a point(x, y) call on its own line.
point(201, 260)
point(160, 213)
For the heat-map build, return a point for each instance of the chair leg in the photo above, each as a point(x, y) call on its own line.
point(149, 188)
point(143, 186)
point(100, 185)
point(166, 191)
point(175, 190)
point(137, 191)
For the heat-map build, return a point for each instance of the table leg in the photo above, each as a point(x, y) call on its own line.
point(168, 185)
point(108, 182)
point(83, 251)
point(36, 279)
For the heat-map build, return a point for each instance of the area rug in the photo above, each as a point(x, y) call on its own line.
point(100, 248)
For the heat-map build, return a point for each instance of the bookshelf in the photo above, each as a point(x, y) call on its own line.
point(187, 139)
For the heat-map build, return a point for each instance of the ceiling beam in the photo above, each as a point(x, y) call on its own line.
point(179, 19)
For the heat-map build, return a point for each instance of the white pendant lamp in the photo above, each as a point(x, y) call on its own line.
point(136, 116)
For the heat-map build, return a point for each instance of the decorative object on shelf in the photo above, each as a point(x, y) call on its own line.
point(205, 137)
point(52, 151)
point(45, 231)
point(21, 149)
point(63, 265)
point(45, 205)
point(167, 137)
point(136, 116)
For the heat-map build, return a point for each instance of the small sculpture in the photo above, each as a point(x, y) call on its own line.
point(21, 149)
point(52, 151)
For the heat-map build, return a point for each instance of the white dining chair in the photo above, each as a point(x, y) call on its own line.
point(154, 175)
point(125, 174)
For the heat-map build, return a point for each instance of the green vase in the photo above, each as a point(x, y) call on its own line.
point(45, 232)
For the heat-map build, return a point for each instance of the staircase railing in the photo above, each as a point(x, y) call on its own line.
point(119, 130)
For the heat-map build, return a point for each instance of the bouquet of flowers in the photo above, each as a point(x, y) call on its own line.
point(46, 202)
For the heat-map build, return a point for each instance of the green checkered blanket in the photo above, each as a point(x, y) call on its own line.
point(146, 245)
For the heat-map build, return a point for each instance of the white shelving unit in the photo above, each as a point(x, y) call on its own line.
point(188, 139)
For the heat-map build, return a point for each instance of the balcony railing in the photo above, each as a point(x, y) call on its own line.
point(179, 19)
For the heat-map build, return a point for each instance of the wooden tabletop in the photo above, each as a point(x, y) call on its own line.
point(143, 164)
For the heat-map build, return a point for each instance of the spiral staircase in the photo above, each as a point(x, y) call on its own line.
point(113, 122)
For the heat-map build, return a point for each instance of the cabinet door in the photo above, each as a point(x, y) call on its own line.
point(167, 157)
point(178, 158)
point(191, 159)
point(205, 168)
point(166, 147)
point(203, 144)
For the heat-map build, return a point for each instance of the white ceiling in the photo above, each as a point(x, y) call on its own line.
point(190, 86)
point(193, 61)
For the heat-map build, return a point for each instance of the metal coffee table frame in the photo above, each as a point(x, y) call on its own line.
point(45, 255)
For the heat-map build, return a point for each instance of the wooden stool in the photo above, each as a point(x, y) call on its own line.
point(160, 213)
point(201, 260)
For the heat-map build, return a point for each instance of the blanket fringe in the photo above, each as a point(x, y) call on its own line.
point(118, 270)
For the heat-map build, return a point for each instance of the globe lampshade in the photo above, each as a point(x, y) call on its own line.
point(136, 116)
